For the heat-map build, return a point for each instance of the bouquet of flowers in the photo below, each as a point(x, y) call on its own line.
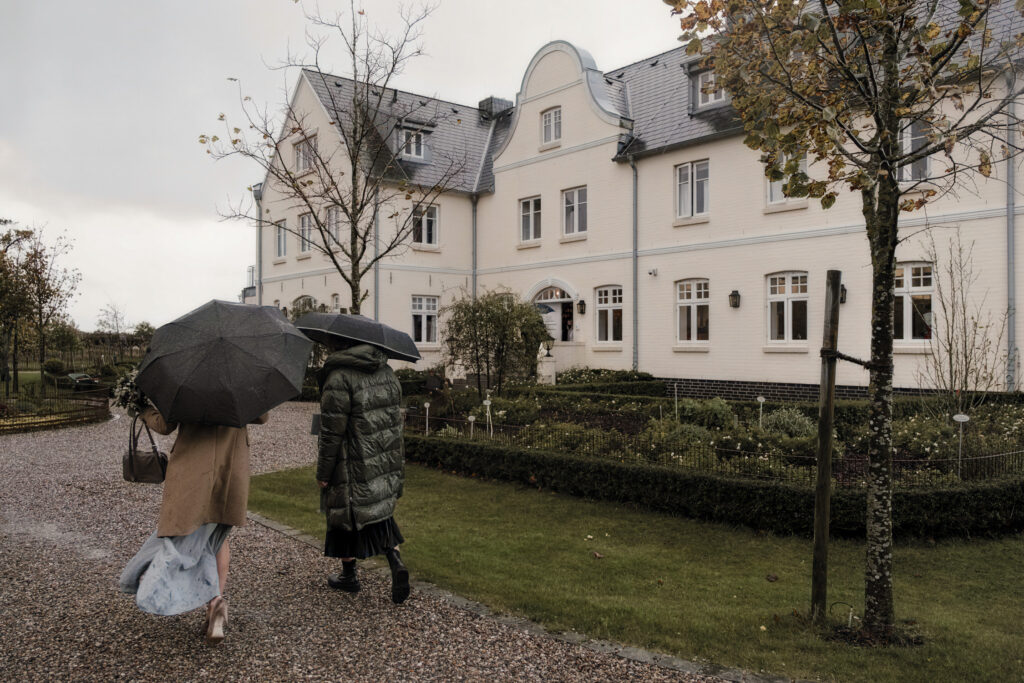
point(127, 395)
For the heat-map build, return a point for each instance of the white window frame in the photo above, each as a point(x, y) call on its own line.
point(413, 143)
point(774, 192)
point(913, 279)
point(608, 300)
point(305, 233)
point(529, 209)
point(334, 223)
point(426, 218)
point(787, 288)
point(910, 137)
point(574, 211)
point(281, 239)
point(424, 318)
point(335, 302)
point(691, 294)
point(551, 125)
point(688, 185)
point(705, 99)
point(304, 149)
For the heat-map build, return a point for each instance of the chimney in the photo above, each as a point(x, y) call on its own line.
point(493, 107)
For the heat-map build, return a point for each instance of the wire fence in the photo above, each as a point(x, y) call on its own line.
point(47, 406)
point(848, 471)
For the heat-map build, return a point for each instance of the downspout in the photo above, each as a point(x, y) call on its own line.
point(257, 193)
point(474, 198)
point(636, 296)
point(1011, 224)
point(376, 262)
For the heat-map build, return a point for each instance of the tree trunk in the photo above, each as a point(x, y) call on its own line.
point(5, 354)
point(355, 286)
point(881, 220)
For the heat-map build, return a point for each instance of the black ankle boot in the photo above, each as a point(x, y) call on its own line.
point(399, 577)
point(346, 581)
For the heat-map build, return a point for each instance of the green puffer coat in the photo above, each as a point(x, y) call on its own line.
point(361, 446)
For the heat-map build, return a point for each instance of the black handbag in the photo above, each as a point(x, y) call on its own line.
point(142, 465)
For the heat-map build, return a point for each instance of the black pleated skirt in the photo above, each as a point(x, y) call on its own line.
point(372, 539)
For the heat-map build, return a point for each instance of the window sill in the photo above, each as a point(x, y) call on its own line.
point(693, 220)
point(577, 237)
point(303, 257)
point(911, 348)
point(568, 343)
point(692, 348)
point(603, 346)
point(428, 346)
point(550, 145)
point(279, 261)
point(532, 244)
point(425, 247)
point(781, 207)
point(785, 348)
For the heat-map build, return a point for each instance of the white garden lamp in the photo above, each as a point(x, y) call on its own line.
point(471, 419)
point(960, 418)
point(426, 407)
point(490, 425)
point(760, 410)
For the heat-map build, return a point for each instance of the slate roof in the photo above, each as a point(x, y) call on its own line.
point(455, 134)
point(653, 93)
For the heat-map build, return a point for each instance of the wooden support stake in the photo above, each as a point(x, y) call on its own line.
point(826, 409)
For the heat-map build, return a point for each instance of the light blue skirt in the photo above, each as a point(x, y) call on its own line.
point(176, 574)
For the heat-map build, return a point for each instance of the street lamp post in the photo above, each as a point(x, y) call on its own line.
point(960, 419)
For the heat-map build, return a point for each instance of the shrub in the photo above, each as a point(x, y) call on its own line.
point(621, 388)
point(24, 407)
point(571, 438)
point(790, 422)
point(510, 411)
point(585, 375)
point(107, 371)
point(53, 367)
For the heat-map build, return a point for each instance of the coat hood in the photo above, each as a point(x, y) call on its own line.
point(362, 357)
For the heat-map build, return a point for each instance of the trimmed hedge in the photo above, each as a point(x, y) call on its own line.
point(642, 388)
point(988, 509)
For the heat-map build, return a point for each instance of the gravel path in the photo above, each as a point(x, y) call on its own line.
point(68, 524)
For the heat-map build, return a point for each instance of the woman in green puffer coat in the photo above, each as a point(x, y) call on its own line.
point(360, 467)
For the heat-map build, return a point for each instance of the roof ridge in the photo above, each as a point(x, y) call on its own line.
point(404, 92)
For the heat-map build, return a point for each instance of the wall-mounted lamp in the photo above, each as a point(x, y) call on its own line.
point(581, 306)
point(734, 299)
point(842, 294)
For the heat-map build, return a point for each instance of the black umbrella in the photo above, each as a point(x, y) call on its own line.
point(224, 363)
point(323, 327)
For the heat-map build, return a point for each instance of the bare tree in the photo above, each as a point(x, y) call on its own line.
point(112, 320)
point(353, 180)
point(50, 286)
point(897, 101)
point(965, 358)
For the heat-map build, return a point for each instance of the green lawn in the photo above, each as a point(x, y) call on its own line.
point(696, 590)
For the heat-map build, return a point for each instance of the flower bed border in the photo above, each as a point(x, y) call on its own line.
point(992, 508)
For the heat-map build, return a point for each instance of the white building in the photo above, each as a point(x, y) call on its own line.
point(626, 204)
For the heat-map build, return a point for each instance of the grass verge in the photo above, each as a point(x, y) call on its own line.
point(700, 591)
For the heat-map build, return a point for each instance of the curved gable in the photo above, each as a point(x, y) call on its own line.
point(556, 68)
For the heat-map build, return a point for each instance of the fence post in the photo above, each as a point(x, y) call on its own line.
point(826, 408)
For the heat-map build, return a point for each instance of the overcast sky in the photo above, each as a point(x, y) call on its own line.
point(103, 102)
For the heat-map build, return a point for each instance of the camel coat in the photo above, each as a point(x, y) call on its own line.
point(207, 475)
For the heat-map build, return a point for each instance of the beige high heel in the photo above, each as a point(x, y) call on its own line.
point(216, 621)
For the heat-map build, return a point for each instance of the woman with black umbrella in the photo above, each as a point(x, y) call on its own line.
point(360, 466)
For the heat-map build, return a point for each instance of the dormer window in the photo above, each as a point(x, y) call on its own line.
point(707, 94)
point(551, 126)
point(412, 145)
